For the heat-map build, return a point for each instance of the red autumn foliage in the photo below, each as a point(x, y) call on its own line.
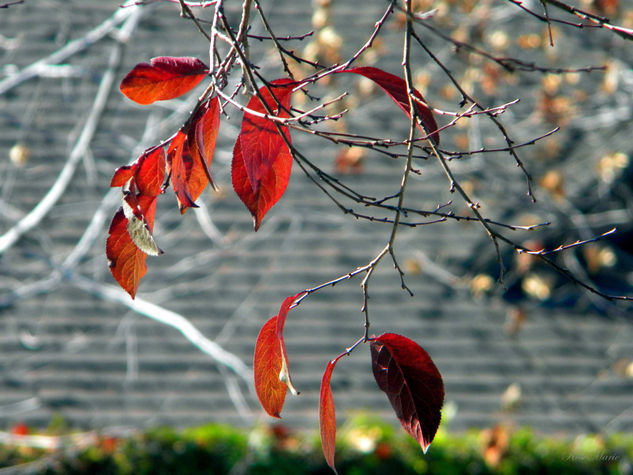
point(327, 415)
point(163, 78)
point(262, 161)
point(130, 235)
point(201, 139)
point(261, 168)
point(189, 154)
point(270, 362)
point(412, 382)
point(266, 369)
point(126, 260)
point(396, 88)
point(179, 166)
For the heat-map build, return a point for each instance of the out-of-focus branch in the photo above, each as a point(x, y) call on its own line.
point(167, 317)
point(56, 191)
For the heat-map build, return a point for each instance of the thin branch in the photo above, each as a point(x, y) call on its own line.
point(595, 20)
point(10, 4)
point(562, 247)
point(72, 48)
point(507, 63)
point(185, 12)
point(278, 46)
point(493, 118)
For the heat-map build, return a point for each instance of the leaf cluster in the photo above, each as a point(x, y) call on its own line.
point(262, 163)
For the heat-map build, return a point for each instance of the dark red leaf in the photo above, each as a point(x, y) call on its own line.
point(201, 138)
point(396, 88)
point(270, 362)
point(126, 260)
point(327, 415)
point(180, 163)
point(262, 162)
point(406, 373)
point(163, 78)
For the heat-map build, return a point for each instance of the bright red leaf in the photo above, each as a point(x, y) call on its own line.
point(130, 238)
point(148, 172)
point(406, 373)
point(180, 164)
point(126, 260)
point(396, 88)
point(262, 162)
point(270, 362)
point(327, 415)
point(201, 138)
point(163, 78)
point(267, 367)
point(123, 174)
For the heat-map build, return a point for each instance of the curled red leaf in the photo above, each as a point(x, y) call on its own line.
point(327, 415)
point(412, 382)
point(201, 138)
point(270, 362)
point(123, 174)
point(262, 161)
point(284, 374)
point(163, 78)
point(396, 88)
point(180, 165)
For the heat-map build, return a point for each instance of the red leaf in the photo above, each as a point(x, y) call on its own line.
point(396, 88)
point(201, 139)
point(130, 237)
point(123, 174)
point(327, 415)
point(262, 162)
point(163, 78)
point(284, 375)
point(406, 373)
point(126, 260)
point(151, 173)
point(148, 172)
point(267, 367)
point(270, 362)
point(180, 163)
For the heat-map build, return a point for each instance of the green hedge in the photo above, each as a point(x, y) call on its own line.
point(364, 447)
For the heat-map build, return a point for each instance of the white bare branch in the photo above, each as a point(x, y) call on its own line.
point(167, 317)
point(35, 216)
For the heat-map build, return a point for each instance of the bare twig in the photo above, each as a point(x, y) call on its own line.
point(544, 252)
